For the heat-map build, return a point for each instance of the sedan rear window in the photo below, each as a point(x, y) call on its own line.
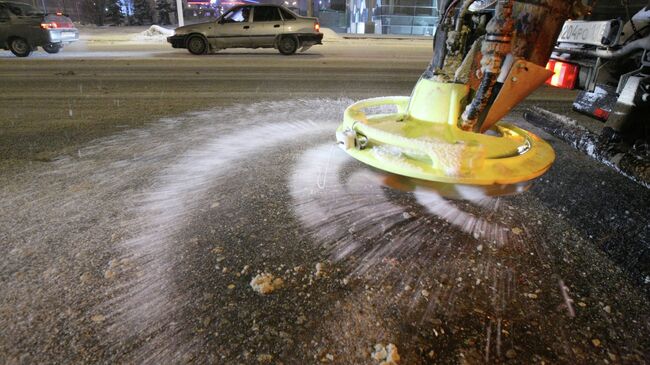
point(266, 14)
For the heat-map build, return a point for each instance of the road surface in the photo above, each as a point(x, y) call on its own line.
point(144, 189)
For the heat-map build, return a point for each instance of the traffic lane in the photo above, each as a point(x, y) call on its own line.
point(357, 49)
point(153, 235)
point(83, 99)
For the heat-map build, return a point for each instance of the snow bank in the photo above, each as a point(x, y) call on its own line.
point(155, 33)
point(330, 35)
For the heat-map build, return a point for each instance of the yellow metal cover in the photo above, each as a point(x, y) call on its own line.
point(422, 140)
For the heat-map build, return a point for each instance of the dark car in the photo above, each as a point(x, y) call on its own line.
point(23, 28)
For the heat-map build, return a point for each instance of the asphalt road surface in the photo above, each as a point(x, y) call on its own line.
point(143, 191)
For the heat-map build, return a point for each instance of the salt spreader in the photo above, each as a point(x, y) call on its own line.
point(449, 130)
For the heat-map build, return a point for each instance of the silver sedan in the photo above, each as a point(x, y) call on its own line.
point(250, 26)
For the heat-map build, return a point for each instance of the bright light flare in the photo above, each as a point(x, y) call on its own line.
point(564, 74)
point(51, 25)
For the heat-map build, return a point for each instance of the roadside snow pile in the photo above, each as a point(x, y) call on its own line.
point(154, 33)
point(330, 35)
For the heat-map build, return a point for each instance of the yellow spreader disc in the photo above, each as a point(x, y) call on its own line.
point(419, 138)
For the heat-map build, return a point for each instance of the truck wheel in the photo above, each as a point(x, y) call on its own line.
point(287, 45)
point(52, 48)
point(197, 45)
point(20, 47)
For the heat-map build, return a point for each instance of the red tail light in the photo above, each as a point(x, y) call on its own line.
point(51, 25)
point(317, 27)
point(56, 25)
point(564, 74)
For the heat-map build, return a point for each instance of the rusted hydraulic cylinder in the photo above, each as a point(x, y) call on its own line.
point(494, 49)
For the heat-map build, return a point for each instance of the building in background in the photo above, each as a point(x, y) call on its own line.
point(412, 17)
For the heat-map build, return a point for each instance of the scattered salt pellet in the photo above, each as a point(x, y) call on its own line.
point(245, 270)
point(386, 355)
point(109, 274)
point(393, 356)
point(380, 352)
point(479, 248)
point(97, 318)
point(425, 293)
point(582, 304)
point(406, 215)
point(301, 319)
point(531, 295)
point(320, 272)
point(266, 283)
point(607, 309)
point(86, 277)
point(596, 342)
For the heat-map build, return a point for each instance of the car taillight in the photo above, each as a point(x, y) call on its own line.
point(317, 27)
point(55, 25)
point(564, 74)
point(51, 25)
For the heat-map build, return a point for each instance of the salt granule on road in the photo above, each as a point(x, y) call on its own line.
point(266, 283)
point(386, 355)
